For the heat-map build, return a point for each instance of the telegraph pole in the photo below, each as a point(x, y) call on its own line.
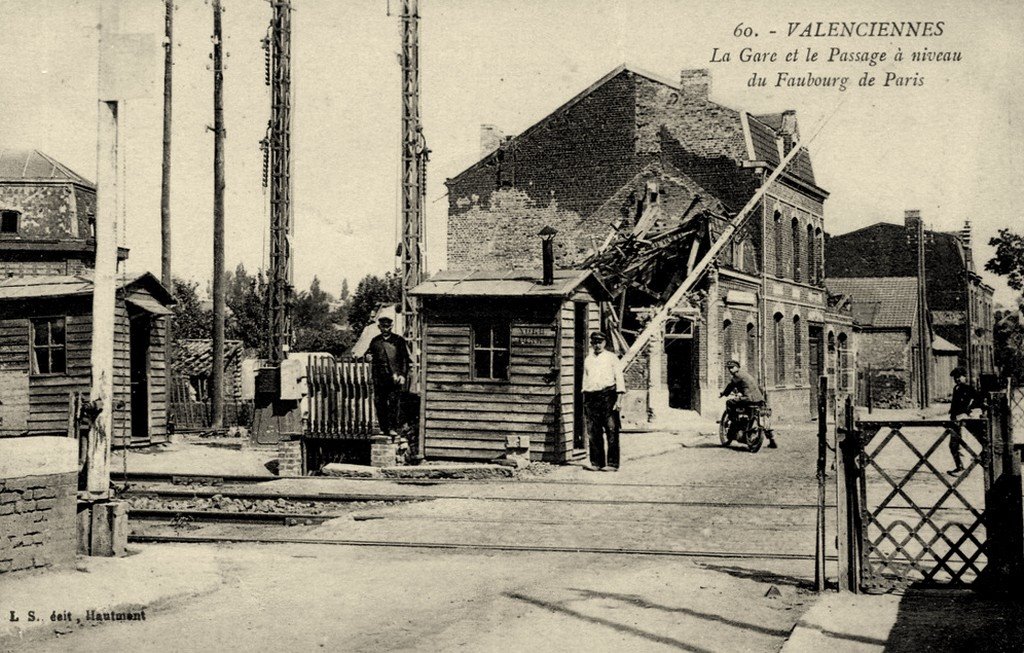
point(414, 160)
point(280, 78)
point(165, 181)
point(217, 381)
point(924, 337)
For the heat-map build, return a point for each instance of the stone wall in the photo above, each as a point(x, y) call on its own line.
point(38, 485)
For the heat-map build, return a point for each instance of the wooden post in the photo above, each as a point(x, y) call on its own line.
point(165, 181)
point(217, 378)
point(819, 542)
point(847, 496)
point(1004, 512)
point(103, 296)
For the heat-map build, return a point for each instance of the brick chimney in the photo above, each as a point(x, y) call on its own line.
point(490, 139)
point(695, 84)
point(788, 129)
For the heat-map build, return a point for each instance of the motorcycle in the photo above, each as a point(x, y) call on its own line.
point(750, 425)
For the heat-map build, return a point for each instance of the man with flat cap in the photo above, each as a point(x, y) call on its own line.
point(389, 363)
point(962, 404)
point(603, 388)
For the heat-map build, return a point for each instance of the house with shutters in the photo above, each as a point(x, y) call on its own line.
point(639, 175)
point(47, 253)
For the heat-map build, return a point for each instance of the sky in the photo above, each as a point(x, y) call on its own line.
point(952, 148)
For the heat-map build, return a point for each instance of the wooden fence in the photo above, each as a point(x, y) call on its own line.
point(340, 399)
point(190, 413)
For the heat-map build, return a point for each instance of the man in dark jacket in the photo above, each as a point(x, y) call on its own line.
point(965, 399)
point(389, 357)
point(749, 391)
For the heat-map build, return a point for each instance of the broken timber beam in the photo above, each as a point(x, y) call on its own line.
point(698, 271)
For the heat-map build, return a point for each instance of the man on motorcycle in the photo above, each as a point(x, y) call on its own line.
point(749, 394)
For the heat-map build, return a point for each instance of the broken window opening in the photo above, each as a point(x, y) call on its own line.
point(9, 222)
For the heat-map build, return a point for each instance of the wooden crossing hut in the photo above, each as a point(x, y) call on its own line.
point(503, 356)
point(45, 355)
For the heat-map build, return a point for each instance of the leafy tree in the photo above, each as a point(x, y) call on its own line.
point(1009, 258)
point(317, 323)
point(1008, 337)
point(246, 299)
point(371, 292)
point(191, 319)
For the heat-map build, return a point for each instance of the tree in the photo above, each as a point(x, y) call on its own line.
point(1009, 258)
point(317, 323)
point(191, 319)
point(1008, 338)
point(371, 292)
point(246, 298)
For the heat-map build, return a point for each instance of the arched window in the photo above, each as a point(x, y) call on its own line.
point(727, 341)
point(752, 360)
point(779, 339)
point(779, 258)
point(812, 266)
point(798, 350)
point(795, 227)
point(819, 256)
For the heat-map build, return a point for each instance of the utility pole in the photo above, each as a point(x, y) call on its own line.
point(217, 380)
point(414, 163)
point(165, 180)
point(280, 78)
point(924, 336)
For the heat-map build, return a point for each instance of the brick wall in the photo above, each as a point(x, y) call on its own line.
point(49, 210)
point(37, 522)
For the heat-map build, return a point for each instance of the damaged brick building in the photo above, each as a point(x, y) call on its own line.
point(640, 175)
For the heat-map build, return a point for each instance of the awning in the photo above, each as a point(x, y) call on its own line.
point(148, 304)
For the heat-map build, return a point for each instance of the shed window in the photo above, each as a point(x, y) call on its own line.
point(49, 346)
point(9, 222)
point(491, 351)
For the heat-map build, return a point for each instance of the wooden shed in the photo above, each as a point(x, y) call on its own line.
point(45, 355)
point(503, 355)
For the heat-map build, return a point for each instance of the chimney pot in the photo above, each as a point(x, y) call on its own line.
point(695, 84)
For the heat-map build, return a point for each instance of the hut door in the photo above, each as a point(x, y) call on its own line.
point(579, 354)
point(138, 345)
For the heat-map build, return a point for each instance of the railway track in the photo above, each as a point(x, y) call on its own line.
point(186, 493)
point(455, 546)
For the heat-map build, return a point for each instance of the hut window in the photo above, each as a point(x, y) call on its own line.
point(48, 346)
point(9, 222)
point(491, 351)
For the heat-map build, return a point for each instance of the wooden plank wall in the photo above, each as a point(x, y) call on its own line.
point(469, 419)
point(567, 317)
point(48, 395)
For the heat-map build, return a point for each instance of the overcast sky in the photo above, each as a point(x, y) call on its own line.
point(952, 148)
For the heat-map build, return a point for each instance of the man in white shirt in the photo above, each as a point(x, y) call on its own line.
point(603, 388)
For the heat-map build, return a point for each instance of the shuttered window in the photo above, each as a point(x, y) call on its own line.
point(49, 346)
point(491, 351)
